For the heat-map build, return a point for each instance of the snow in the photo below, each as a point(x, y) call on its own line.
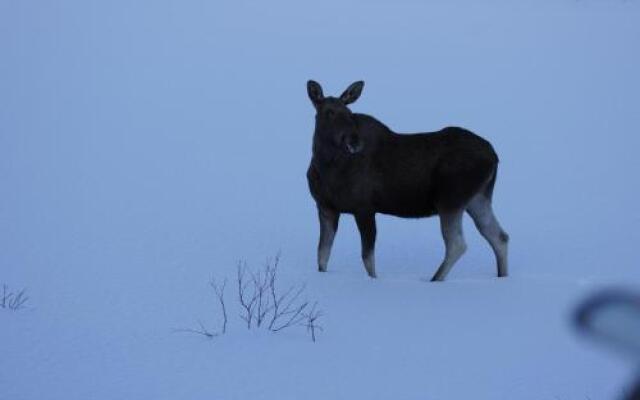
point(145, 147)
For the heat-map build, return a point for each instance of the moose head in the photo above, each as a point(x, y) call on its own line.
point(335, 124)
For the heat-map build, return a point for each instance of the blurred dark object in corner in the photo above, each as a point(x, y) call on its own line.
point(613, 318)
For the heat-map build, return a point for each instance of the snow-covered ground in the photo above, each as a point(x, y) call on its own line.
point(145, 147)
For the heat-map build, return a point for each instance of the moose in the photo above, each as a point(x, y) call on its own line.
point(361, 167)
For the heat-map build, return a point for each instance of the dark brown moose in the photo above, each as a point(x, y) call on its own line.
point(361, 167)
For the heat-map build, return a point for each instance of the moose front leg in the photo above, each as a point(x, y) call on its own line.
point(367, 227)
point(328, 227)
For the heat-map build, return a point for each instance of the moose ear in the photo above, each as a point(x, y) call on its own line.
point(314, 90)
point(352, 93)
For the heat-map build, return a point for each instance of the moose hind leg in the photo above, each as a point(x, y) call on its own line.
point(481, 212)
point(367, 227)
point(451, 227)
point(328, 227)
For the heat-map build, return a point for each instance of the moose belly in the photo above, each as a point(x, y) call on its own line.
point(402, 199)
point(407, 202)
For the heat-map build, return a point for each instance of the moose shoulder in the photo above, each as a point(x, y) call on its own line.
point(360, 167)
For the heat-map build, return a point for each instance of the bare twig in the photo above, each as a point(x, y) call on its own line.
point(219, 291)
point(261, 281)
point(202, 330)
point(286, 312)
point(296, 316)
point(247, 300)
point(5, 296)
point(311, 318)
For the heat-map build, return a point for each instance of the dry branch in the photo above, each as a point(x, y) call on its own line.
point(219, 291)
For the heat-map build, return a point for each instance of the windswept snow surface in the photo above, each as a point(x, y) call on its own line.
point(146, 146)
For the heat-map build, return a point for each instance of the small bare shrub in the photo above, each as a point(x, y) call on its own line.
point(13, 300)
point(262, 304)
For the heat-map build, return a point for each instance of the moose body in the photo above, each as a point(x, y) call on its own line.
point(360, 167)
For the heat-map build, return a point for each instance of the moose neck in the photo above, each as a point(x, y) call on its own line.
point(325, 152)
point(328, 155)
